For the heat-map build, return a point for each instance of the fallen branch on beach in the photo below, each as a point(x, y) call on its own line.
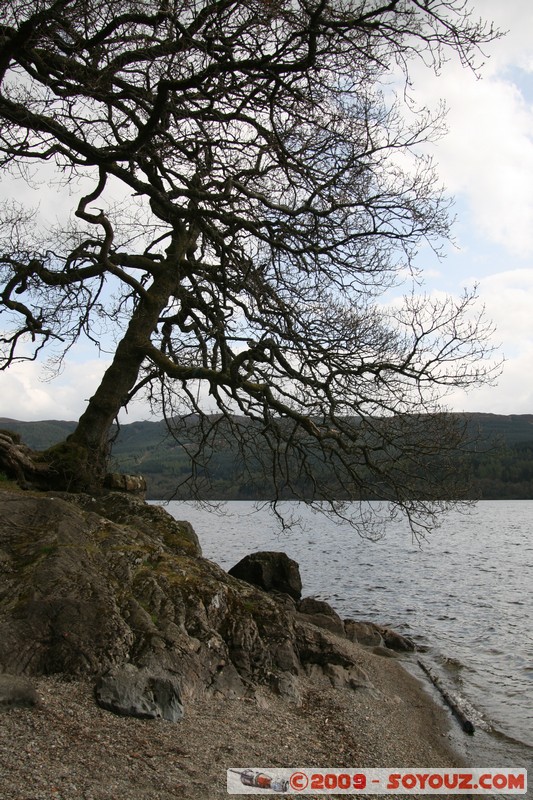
point(466, 724)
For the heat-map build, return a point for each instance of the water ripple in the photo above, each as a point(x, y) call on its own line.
point(467, 592)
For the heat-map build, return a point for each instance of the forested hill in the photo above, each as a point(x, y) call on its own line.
point(501, 467)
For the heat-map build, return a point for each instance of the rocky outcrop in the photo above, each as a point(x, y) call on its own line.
point(270, 571)
point(382, 639)
point(117, 589)
point(89, 584)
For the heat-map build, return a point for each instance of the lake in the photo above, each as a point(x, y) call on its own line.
point(466, 593)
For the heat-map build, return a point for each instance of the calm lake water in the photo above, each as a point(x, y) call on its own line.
point(466, 594)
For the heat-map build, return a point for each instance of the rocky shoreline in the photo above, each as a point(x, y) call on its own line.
point(96, 592)
point(70, 749)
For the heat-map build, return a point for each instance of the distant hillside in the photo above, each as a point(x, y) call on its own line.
point(39, 435)
point(509, 429)
point(501, 465)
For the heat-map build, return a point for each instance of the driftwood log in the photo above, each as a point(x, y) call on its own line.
point(466, 724)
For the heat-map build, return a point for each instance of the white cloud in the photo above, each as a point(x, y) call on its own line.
point(512, 394)
point(486, 160)
point(515, 19)
point(487, 156)
point(27, 396)
point(506, 296)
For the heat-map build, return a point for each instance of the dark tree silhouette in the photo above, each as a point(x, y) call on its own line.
point(247, 185)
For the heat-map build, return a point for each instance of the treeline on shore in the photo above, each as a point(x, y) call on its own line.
point(498, 466)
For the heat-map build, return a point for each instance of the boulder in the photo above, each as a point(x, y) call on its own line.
point(395, 640)
point(288, 686)
point(364, 633)
point(16, 692)
point(271, 571)
point(134, 692)
point(370, 634)
point(328, 659)
point(338, 677)
point(320, 613)
point(133, 484)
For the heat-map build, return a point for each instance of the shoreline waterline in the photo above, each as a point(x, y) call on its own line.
point(461, 597)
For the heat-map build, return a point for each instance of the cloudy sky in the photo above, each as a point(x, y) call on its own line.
point(486, 163)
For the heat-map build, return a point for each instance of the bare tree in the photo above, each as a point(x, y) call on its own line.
point(248, 185)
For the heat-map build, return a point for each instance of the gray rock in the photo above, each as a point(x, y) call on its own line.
point(323, 621)
point(353, 677)
point(338, 676)
point(328, 659)
point(310, 605)
point(228, 682)
point(364, 633)
point(249, 651)
point(285, 656)
point(16, 692)
point(372, 635)
point(395, 640)
point(288, 686)
point(271, 571)
point(132, 484)
point(142, 693)
point(320, 613)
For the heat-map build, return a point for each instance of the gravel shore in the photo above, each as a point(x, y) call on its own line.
point(67, 748)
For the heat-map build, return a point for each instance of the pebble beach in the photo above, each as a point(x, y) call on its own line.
point(67, 748)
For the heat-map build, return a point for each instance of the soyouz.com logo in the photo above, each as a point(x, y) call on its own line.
point(253, 780)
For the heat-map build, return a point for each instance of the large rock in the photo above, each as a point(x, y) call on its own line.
point(16, 692)
point(328, 659)
point(270, 571)
point(372, 635)
point(118, 482)
point(364, 633)
point(322, 614)
point(395, 640)
point(141, 693)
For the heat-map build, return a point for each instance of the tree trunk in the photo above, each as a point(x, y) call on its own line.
point(79, 463)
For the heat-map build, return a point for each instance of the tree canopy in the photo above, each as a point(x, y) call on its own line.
point(247, 181)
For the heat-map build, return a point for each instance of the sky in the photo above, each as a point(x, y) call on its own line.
point(485, 162)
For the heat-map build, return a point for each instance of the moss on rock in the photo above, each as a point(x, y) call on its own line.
point(89, 583)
